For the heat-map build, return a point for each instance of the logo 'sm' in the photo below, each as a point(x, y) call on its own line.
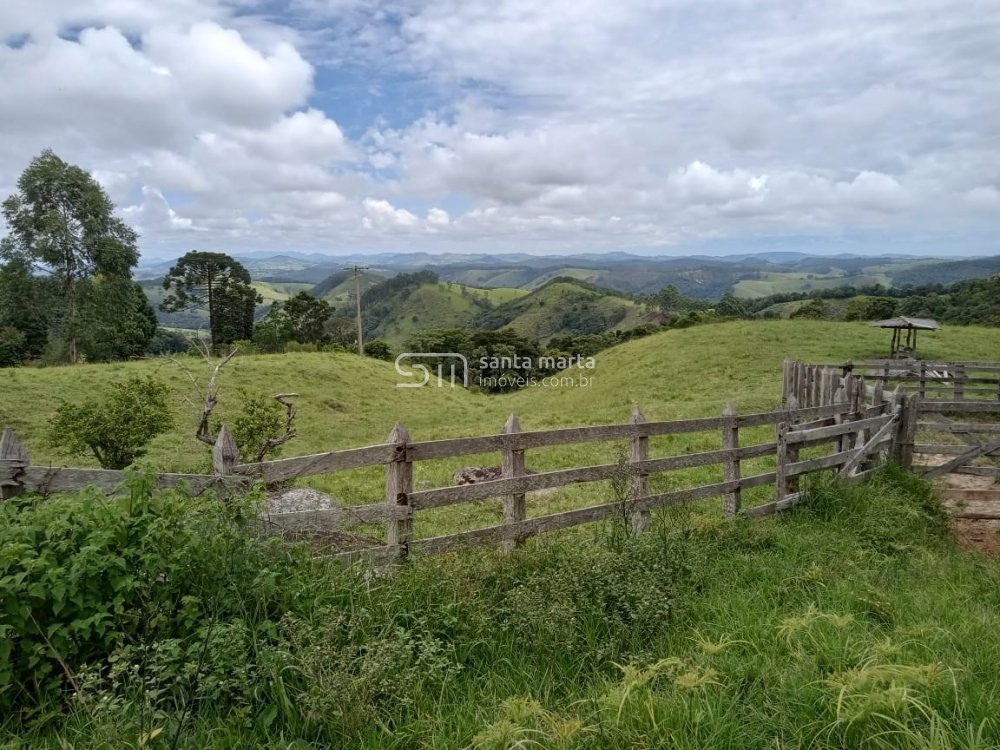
point(450, 376)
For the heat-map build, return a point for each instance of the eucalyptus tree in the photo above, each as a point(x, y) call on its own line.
point(61, 222)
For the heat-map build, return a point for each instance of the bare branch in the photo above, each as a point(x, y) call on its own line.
point(209, 397)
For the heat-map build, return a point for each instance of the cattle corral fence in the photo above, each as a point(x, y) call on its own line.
point(957, 401)
point(861, 427)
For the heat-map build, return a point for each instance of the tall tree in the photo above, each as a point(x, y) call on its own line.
point(117, 320)
point(62, 222)
point(26, 304)
point(219, 284)
point(307, 317)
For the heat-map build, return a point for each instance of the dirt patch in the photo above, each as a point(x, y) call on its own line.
point(973, 533)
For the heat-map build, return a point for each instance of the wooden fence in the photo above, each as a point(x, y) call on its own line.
point(944, 392)
point(943, 387)
point(863, 428)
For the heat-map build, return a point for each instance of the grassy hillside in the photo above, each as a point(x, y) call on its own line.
point(348, 400)
point(780, 283)
point(434, 305)
point(563, 307)
point(338, 289)
point(278, 291)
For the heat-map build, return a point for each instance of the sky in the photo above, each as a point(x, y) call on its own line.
point(649, 126)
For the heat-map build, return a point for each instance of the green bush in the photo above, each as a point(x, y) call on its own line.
point(117, 427)
point(378, 349)
point(260, 420)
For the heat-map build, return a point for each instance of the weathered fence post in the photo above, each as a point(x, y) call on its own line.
point(640, 477)
point(786, 367)
point(840, 398)
point(13, 463)
point(781, 480)
point(908, 416)
point(511, 466)
point(398, 486)
point(959, 381)
point(923, 379)
point(731, 464)
point(225, 454)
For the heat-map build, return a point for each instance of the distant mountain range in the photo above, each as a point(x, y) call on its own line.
point(469, 284)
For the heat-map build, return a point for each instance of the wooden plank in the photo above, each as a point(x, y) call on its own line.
point(455, 447)
point(826, 433)
point(53, 479)
point(977, 515)
point(955, 427)
point(876, 441)
point(521, 530)
point(941, 448)
point(972, 495)
point(977, 471)
point(970, 454)
point(436, 498)
point(817, 464)
point(934, 365)
point(423, 451)
point(775, 506)
point(931, 380)
point(948, 407)
point(756, 451)
point(773, 417)
point(375, 556)
point(283, 469)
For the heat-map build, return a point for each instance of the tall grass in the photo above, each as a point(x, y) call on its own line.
point(851, 621)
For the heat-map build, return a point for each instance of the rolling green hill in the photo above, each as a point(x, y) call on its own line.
point(781, 282)
point(567, 307)
point(434, 305)
point(338, 289)
point(278, 291)
point(348, 400)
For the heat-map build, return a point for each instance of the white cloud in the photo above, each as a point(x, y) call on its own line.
point(438, 217)
point(382, 214)
point(571, 124)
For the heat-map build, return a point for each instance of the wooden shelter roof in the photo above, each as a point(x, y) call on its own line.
point(923, 324)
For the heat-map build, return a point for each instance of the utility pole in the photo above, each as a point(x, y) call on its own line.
point(357, 302)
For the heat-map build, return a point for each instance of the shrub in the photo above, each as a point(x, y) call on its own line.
point(260, 420)
point(126, 589)
point(378, 349)
point(116, 428)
